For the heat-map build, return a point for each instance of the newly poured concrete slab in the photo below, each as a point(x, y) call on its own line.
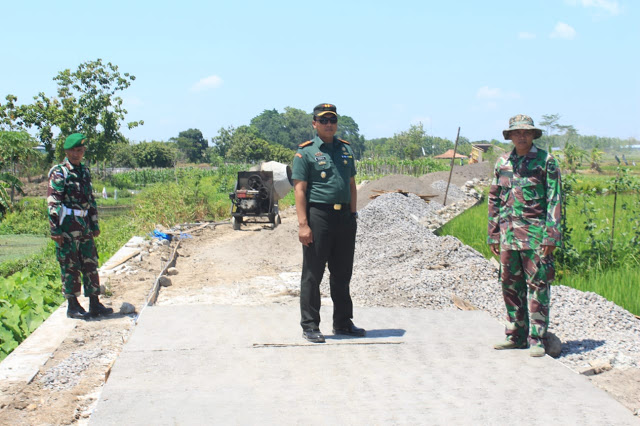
point(208, 364)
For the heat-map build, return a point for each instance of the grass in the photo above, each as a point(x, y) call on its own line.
point(619, 285)
point(13, 247)
point(471, 228)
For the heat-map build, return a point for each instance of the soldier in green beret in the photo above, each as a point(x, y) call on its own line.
point(326, 197)
point(524, 229)
point(73, 220)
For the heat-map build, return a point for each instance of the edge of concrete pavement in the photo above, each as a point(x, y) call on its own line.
point(24, 362)
point(250, 364)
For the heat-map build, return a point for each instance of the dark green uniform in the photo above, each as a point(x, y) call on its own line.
point(74, 215)
point(327, 169)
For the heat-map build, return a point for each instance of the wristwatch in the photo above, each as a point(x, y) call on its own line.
point(354, 214)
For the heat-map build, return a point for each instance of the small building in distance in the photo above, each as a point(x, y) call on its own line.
point(479, 149)
point(449, 155)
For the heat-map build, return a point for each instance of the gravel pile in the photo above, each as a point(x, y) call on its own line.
point(399, 262)
point(454, 194)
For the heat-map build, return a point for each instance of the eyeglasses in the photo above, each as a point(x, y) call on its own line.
point(325, 120)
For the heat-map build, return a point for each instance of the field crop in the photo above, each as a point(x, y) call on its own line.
point(177, 196)
point(375, 169)
point(14, 247)
point(589, 219)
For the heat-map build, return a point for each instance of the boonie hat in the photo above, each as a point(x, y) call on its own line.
point(523, 122)
point(324, 109)
point(74, 140)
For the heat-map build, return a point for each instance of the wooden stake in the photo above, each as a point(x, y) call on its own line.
point(453, 159)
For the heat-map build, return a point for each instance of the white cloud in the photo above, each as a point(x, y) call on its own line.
point(486, 92)
point(211, 82)
point(564, 31)
point(526, 36)
point(610, 6)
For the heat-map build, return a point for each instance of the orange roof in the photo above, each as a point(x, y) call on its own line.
point(449, 154)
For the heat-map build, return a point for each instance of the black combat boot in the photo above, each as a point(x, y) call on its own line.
point(96, 308)
point(75, 309)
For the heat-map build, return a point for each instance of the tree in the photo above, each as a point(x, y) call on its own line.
point(409, 144)
point(222, 141)
point(271, 125)
point(595, 158)
point(572, 156)
point(192, 144)
point(154, 154)
point(246, 145)
point(298, 126)
point(348, 130)
point(86, 102)
point(15, 147)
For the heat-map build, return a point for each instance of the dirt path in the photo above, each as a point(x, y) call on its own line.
point(256, 265)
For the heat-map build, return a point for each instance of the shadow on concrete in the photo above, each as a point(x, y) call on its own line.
point(371, 334)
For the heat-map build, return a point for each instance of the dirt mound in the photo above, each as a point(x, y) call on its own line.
point(422, 185)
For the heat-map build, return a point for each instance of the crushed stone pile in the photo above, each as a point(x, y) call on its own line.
point(399, 262)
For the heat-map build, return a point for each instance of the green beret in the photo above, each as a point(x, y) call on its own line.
point(76, 139)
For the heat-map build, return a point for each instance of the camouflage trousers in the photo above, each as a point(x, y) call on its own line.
point(78, 255)
point(526, 273)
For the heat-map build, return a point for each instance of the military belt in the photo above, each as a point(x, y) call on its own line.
point(75, 212)
point(330, 207)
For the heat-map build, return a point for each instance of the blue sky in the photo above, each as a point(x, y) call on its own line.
point(387, 64)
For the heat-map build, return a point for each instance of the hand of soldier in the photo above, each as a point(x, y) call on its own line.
point(547, 250)
point(495, 249)
point(57, 238)
point(96, 233)
point(305, 235)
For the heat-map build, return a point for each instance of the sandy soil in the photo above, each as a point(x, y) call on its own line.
point(256, 265)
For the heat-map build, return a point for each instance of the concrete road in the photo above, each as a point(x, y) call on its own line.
point(208, 364)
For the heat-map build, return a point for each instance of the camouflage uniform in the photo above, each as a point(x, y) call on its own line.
point(74, 215)
point(524, 215)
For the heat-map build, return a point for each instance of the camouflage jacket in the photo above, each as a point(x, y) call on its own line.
point(525, 201)
point(72, 189)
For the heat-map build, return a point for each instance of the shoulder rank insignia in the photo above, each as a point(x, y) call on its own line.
point(343, 141)
point(298, 155)
point(307, 143)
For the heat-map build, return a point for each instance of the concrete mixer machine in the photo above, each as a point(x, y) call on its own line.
point(257, 193)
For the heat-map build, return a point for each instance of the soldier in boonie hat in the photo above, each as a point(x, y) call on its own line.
point(521, 122)
point(524, 228)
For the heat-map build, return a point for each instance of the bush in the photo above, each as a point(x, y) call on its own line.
point(154, 154)
point(27, 217)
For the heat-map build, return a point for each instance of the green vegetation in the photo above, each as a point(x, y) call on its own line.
point(375, 169)
point(14, 247)
point(26, 300)
point(617, 285)
point(591, 259)
point(178, 196)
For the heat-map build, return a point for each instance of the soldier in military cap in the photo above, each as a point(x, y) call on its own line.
point(73, 219)
point(326, 197)
point(524, 229)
